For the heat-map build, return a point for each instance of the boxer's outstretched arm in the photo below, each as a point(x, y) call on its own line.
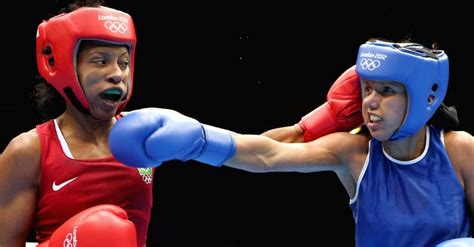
point(148, 137)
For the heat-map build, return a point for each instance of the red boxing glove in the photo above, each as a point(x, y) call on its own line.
point(103, 225)
point(341, 111)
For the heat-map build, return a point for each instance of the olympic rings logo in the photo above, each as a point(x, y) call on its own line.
point(115, 26)
point(370, 64)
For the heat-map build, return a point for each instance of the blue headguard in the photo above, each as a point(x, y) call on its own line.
point(424, 73)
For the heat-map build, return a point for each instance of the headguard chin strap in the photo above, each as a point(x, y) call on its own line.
point(57, 41)
point(424, 73)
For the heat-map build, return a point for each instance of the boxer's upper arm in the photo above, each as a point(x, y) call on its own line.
point(460, 147)
point(468, 169)
point(19, 179)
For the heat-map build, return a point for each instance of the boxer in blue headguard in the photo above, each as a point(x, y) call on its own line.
point(408, 180)
point(423, 73)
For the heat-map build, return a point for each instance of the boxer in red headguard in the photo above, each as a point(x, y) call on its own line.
point(60, 178)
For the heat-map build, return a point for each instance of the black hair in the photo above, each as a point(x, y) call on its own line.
point(445, 117)
point(49, 103)
point(83, 3)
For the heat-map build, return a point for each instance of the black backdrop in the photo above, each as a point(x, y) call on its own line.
point(248, 68)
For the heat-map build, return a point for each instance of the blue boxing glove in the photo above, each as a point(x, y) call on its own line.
point(148, 137)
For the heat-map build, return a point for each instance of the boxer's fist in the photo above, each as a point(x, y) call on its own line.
point(148, 137)
point(341, 112)
point(102, 225)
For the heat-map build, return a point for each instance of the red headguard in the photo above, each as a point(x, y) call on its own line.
point(57, 41)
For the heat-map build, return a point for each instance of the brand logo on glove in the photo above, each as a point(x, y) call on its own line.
point(60, 186)
point(71, 238)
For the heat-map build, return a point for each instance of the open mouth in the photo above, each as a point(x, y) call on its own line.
point(113, 94)
point(374, 118)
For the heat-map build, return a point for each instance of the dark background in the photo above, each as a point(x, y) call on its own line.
point(248, 68)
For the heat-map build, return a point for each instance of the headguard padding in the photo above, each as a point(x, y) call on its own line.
point(57, 41)
point(424, 73)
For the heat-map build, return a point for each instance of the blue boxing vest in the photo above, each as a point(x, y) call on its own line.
point(419, 202)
